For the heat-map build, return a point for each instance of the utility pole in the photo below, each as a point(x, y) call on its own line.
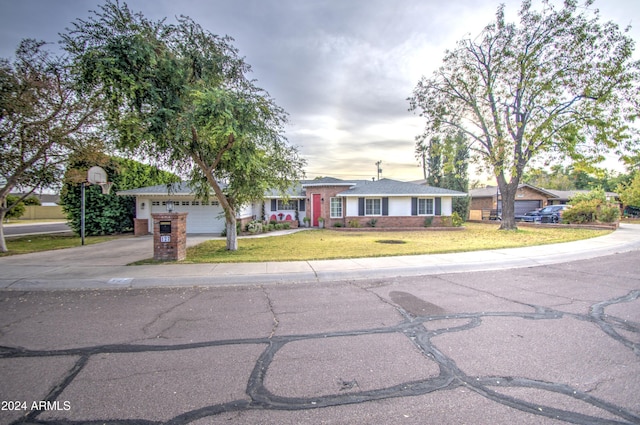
point(379, 169)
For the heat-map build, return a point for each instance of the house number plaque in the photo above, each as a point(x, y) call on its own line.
point(165, 238)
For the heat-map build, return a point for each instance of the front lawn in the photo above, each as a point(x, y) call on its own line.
point(37, 243)
point(332, 244)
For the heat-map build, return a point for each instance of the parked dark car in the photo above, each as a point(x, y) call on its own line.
point(529, 217)
point(552, 213)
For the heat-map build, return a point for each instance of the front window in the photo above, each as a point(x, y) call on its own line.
point(373, 206)
point(288, 205)
point(425, 206)
point(336, 208)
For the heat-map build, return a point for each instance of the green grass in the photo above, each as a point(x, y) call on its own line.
point(37, 243)
point(332, 244)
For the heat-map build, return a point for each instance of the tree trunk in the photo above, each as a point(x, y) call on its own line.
point(3, 243)
point(508, 197)
point(232, 236)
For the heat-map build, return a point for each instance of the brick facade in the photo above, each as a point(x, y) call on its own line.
point(394, 222)
point(176, 248)
point(326, 193)
point(140, 226)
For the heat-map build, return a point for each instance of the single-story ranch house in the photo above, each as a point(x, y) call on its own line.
point(391, 203)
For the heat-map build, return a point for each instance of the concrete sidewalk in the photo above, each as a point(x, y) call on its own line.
point(104, 265)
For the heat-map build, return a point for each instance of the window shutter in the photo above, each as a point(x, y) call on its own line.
point(274, 205)
point(385, 206)
point(414, 206)
point(438, 206)
point(360, 206)
point(302, 205)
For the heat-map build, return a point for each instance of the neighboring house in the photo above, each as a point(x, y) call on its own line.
point(564, 196)
point(392, 203)
point(528, 198)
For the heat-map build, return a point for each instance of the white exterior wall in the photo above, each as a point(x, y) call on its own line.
point(143, 208)
point(246, 211)
point(352, 207)
point(269, 212)
point(446, 206)
point(400, 206)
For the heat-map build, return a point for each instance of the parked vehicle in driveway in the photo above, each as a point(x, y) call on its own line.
point(529, 217)
point(552, 213)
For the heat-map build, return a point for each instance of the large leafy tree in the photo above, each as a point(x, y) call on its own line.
point(456, 171)
point(429, 154)
point(42, 121)
point(560, 84)
point(445, 164)
point(179, 95)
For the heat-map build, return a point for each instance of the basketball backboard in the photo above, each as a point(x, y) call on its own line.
point(96, 175)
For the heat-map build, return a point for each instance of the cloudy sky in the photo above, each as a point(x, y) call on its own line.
point(342, 69)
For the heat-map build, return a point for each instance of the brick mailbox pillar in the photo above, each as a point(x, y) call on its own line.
point(169, 236)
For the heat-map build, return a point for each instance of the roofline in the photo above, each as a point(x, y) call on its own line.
point(388, 195)
point(327, 184)
point(121, 193)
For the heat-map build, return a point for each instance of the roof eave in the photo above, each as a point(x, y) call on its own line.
point(401, 194)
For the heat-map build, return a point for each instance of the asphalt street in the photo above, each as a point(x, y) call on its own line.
point(552, 344)
point(14, 230)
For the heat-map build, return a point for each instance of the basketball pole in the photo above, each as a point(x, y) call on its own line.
point(82, 202)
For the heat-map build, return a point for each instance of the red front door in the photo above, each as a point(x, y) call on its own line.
point(315, 209)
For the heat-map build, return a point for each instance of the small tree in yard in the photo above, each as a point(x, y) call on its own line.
point(630, 193)
point(41, 122)
point(179, 95)
point(560, 85)
point(591, 207)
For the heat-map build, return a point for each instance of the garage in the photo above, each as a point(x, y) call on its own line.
point(204, 217)
point(522, 207)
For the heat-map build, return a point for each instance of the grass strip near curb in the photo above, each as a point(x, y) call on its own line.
point(38, 243)
point(334, 244)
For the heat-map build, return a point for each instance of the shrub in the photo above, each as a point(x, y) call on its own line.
point(591, 207)
point(582, 212)
point(456, 220)
point(447, 221)
point(254, 227)
point(18, 207)
point(286, 225)
point(354, 223)
point(372, 222)
point(428, 221)
point(337, 224)
point(608, 213)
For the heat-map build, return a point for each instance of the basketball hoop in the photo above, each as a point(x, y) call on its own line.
point(106, 187)
point(96, 175)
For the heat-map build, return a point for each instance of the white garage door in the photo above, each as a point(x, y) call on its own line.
point(202, 217)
